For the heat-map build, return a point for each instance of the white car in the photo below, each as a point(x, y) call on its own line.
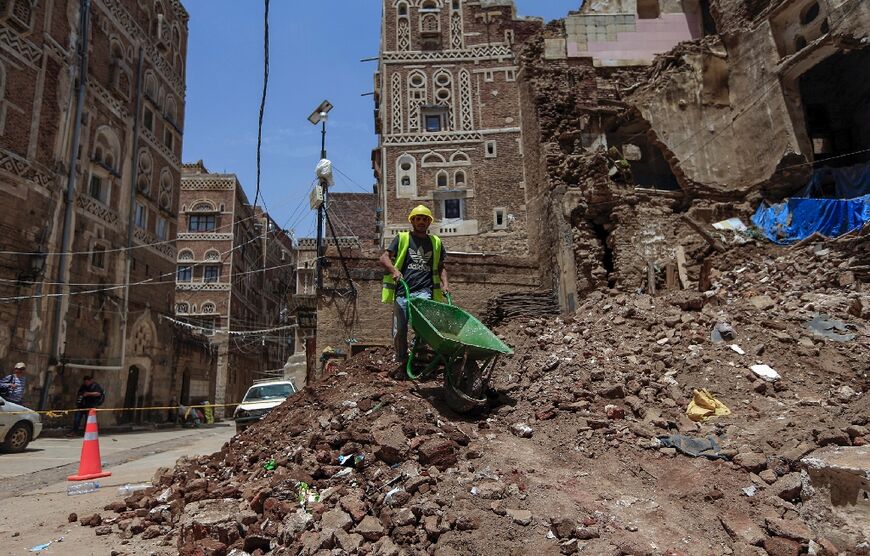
point(18, 426)
point(260, 399)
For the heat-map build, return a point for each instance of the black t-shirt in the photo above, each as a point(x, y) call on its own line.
point(91, 401)
point(417, 268)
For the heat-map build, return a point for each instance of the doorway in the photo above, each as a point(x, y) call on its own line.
point(836, 101)
point(185, 387)
point(129, 413)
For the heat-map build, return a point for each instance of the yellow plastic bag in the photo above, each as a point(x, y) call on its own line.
point(704, 405)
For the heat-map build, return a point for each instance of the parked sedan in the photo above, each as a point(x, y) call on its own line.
point(18, 426)
point(260, 399)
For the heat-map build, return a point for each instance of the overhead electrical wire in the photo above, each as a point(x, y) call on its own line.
point(263, 97)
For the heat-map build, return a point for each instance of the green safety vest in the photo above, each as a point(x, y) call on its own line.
point(388, 293)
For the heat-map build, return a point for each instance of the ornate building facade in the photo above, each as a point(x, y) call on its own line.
point(447, 117)
point(90, 166)
point(234, 279)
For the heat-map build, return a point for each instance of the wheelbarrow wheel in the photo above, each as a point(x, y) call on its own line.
point(464, 387)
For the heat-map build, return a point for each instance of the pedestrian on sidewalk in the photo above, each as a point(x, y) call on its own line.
point(12, 385)
point(417, 257)
point(90, 395)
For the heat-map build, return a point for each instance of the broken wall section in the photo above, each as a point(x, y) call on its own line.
point(735, 110)
point(587, 153)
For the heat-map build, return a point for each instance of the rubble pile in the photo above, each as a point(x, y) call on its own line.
point(587, 447)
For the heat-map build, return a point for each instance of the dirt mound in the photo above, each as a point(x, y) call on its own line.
point(577, 451)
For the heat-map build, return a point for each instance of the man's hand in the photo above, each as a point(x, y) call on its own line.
point(397, 274)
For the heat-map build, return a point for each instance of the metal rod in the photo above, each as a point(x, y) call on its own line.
point(320, 209)
point(67, 231)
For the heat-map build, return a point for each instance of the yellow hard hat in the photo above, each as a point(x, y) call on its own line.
point(421, 210)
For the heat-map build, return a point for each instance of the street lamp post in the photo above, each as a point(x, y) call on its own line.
point(319, 116)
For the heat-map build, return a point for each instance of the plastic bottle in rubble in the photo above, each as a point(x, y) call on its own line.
point(130, 488)
point(82, 488)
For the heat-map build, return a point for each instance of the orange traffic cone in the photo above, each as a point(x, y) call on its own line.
point(89, 464)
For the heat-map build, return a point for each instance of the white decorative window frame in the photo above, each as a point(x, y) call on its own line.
point(504, 218)
point(490, 149)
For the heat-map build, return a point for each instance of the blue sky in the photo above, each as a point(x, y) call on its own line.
point(315, 52)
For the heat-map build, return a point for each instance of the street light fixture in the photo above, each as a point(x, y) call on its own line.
point(319, 116)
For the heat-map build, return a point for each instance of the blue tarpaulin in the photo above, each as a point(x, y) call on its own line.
point(798, 218)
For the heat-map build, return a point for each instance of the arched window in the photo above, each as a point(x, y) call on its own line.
point(429, 5)
point(208, 307)
point(406, 174)
point(430, 159)
point(459, 178)
point(441, 179)
point(799, 43)
point(810, 13)
point(146, 166)
point(171, 110)
point(443, 87)
point(182, 308)
point(212, 255)
point(416, 98)
point(429, 23)
point(143, 184)
point(158, 20)
point(459, 156)
point(185, 255)
point(107, 149)
point(165, 198)
point(151, 86)
point(402, 9)
point(202, 206)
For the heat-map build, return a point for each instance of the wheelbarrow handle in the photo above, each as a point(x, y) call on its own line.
point(408, 296)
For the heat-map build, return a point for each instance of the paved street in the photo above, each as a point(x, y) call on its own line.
point(37, 481)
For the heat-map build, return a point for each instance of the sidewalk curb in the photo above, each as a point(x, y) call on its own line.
point(61, 432)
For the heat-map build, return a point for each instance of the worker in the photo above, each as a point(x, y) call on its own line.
point(417, 257)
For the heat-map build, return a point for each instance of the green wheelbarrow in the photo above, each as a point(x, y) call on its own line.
point(466, 348)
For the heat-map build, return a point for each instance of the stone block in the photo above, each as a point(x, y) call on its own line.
point(370, 529)
point(555, 49)
point(742, 529)
point(209, 519)
point(842, 474)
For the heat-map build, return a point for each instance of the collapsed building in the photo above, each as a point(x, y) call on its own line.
point(626, 153)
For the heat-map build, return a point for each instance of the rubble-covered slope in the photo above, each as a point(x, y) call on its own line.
point(569, 459)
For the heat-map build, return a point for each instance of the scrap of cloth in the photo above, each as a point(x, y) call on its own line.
point(704, 405)
point(695, 447)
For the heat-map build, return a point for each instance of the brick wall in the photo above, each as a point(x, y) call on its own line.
point(474, 48)
point(34, 156)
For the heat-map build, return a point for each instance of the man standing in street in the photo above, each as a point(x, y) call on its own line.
point(417, 257)
point(90, 395)
point(12, 386)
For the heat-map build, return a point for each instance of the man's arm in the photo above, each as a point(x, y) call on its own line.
point(445, 287)
point(386, 261)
